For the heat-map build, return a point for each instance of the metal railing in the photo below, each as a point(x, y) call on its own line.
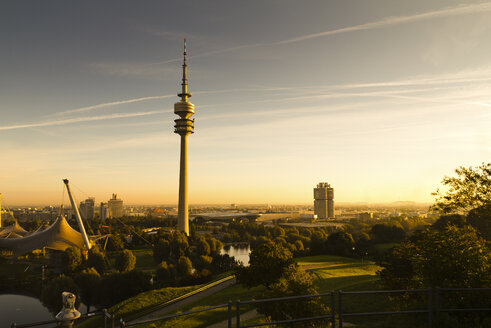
point(108, 320)
point(342, 315)
point(433, 309)
point(330, 316)
point(439, 309)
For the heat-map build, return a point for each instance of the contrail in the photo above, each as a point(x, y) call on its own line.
point(112, 103)
point(81, 119)
point(450, 11)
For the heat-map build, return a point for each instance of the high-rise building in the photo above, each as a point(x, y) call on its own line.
point(324, 201)
point(184, 126)
point(115, 207)
point(103, 211)
point(87, 208)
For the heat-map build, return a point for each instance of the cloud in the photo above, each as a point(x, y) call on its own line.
point(148, 69)
point(81, 119)
point(389, 21)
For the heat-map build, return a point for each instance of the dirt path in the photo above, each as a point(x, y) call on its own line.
point(186, 301)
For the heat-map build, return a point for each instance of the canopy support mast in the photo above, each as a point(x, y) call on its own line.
point(77, 215)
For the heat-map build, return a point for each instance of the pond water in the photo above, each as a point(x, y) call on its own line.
point(22, 309)
point(241, 253)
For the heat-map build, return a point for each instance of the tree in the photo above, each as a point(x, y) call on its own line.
point(96, 260)
point(480, 219)
point(184, 267)
point(444, 221)
point(453, 257)
point(125, 261)
point(51, 294)
point(340, 243)
point(222, 263)
point(294, 282)
point(89, 282)
point(470, 189)
point(215, 245)
point(117, 287)
point(115, 243)
point(387, 233)
point(204, 262)
point(318, 241)
point(202, 247)
point(161, 250)
point(165, 273)
point(179, 245)
point(72, 259)
point(267, 264)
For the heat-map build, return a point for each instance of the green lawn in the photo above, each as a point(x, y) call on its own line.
point(144, 259)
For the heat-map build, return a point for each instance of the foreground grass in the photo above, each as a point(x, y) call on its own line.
point(203, 319)
point(139, 303)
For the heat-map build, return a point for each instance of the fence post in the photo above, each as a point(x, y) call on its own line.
point(237, 309)
point(229, 314)
point(104, 314)
point(333, 310)
point(437, 306)
point(340, 309)
point(430, 309)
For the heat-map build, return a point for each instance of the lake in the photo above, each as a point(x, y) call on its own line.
point(241, 253)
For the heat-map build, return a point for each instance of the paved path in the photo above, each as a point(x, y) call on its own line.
point(243, 318)
point(193, 298)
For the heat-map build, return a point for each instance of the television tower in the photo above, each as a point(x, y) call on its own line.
point(184, 126)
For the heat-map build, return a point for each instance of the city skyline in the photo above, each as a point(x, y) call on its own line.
point(381, 99)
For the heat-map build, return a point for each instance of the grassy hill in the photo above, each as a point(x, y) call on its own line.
point(330, 273)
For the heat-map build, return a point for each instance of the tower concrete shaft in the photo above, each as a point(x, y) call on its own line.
point(184, 126)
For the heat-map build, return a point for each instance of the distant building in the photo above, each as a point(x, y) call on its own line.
point(115, 206)
point(324, 201)
point(103, 211)
point(365, 216)
point(87, 208)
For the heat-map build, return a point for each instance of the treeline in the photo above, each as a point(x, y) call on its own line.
point(355, 239)
point(92, 278)
point(186, 260)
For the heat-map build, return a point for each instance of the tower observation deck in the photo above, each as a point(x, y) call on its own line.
point(183, 127)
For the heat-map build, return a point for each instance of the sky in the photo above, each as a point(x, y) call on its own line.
point(379, 98)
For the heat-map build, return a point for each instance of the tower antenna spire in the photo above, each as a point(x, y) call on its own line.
point(184, 90)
